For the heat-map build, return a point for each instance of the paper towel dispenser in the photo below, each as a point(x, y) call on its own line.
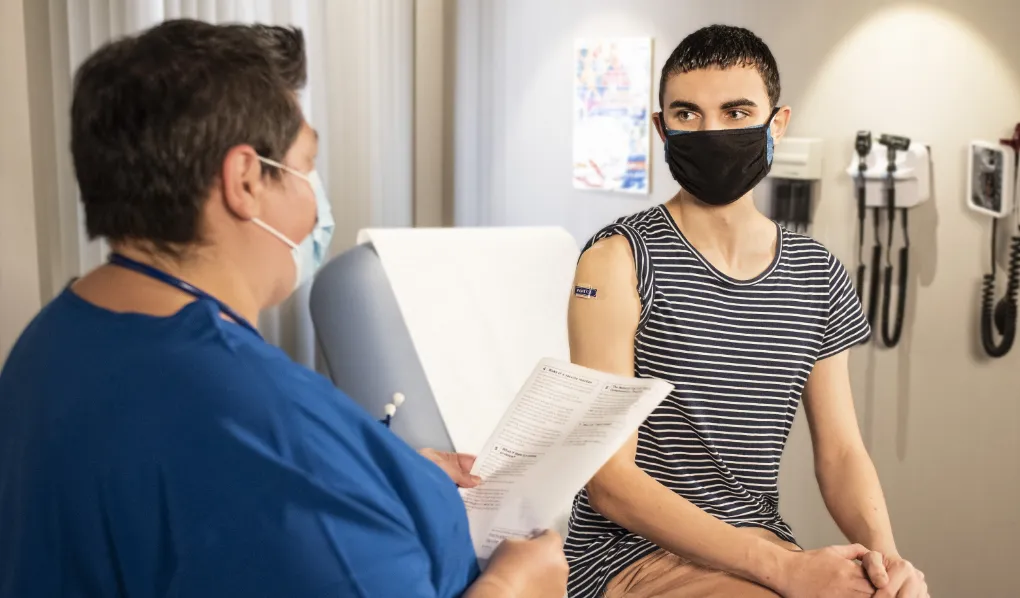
point(796, 176)
point(797, 158)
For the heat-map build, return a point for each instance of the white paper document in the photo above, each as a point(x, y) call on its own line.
point(565, 423)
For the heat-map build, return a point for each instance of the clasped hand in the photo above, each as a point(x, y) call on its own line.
point(833, 572)
point(894, 577)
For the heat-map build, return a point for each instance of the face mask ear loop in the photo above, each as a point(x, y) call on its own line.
point(662, 124)
point(772, 120)
point(281, 166)
point(300, 175)
point(286, 168)
point(274, 232)
point(770, 143)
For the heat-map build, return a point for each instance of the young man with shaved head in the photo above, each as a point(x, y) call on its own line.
point(744, 318)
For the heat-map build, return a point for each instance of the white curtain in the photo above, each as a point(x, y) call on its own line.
point(359, 97)
point(479, 121)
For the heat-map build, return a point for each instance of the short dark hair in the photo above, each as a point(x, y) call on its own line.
point(154, 115)
point(286, 49)
point(722, 46)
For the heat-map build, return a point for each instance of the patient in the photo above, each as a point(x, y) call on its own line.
point(743, 318)
point(151, 443)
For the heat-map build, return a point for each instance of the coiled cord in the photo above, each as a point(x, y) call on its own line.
point(1001, 316)
point(876, 272)
point(861, 218)
point(891, 336)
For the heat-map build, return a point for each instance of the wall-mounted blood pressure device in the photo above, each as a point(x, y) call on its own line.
point(891, 175)
point(992, 171)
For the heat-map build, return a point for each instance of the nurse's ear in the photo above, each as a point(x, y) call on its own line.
point(242, 182)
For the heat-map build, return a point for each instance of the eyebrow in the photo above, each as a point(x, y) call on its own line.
point(684, 105)
point(738, 103)
point(731, 104)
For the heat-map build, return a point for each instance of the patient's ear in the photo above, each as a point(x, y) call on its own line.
point(780, 123)
point(657, 119)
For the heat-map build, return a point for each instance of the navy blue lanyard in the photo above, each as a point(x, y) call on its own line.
point(145, 269)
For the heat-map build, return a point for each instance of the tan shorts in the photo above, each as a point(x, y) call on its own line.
point(665, 575)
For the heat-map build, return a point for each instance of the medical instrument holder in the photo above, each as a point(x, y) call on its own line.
point(895, 180)
point(991, 191)
point(912, 176)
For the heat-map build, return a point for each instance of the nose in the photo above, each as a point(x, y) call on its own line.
point(711, 122)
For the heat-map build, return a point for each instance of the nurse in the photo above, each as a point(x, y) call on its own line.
point(151, 442)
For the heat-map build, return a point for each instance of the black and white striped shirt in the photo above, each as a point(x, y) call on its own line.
point(738, 353)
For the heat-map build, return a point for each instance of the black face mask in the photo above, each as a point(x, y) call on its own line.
point(720, 167)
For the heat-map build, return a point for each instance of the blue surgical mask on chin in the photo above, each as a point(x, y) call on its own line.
point(309, 254)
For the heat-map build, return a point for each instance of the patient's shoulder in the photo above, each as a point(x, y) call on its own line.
point(609, 251)
point(609, 260)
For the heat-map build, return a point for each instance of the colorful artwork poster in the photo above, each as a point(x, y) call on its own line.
point(612, 114)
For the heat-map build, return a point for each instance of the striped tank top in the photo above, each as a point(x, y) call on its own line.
point(738, 353)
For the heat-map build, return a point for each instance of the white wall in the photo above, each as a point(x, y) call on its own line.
point(942, 423)
point(19, 265)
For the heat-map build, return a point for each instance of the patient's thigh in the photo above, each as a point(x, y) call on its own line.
point(665, 575)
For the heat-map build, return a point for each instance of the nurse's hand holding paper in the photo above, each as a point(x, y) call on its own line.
point(563, 426)
point(456, 465)
point(538, 559)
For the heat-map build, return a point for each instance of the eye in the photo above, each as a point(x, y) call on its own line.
point(737, 114)
point(685, 115)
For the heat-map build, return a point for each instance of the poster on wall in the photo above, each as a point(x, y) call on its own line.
point(612, 112)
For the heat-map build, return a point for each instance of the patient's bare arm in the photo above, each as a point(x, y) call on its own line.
point(847, 477)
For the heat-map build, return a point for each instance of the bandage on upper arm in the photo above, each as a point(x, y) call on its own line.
point(602, 328)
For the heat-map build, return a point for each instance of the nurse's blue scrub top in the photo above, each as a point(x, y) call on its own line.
point(185, 456)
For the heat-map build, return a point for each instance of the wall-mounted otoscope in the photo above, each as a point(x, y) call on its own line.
point(895, 182)
point(992, 187)
point(863, 148)
point(894, 144)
